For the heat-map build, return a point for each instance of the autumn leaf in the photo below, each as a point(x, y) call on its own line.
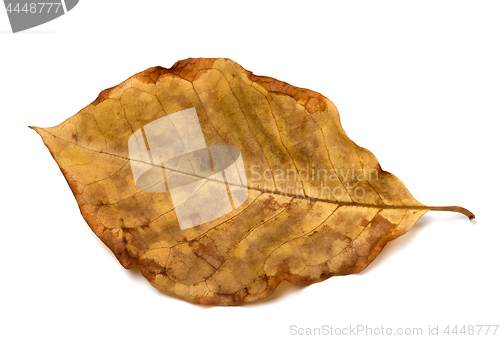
point(219, 184)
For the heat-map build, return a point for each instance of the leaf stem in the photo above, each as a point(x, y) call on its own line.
point(458, 209)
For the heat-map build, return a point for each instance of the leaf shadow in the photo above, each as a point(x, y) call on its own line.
point(286, 289)
point(136, 274)
point(393, 247)
point(282, 291)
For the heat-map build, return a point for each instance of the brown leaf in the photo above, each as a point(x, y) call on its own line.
point(289, 196)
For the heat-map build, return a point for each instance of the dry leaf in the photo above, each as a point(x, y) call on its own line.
point(219, 184)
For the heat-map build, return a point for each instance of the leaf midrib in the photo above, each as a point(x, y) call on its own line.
point(458, 209)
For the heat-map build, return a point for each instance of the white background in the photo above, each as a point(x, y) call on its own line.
point(417, 83)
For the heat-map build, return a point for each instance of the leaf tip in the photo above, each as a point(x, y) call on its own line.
point(36, 129)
